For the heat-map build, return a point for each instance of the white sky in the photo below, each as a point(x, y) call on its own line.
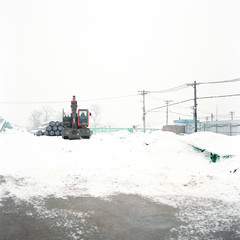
point(51, 50)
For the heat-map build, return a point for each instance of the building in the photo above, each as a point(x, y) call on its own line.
point(227, 127)
point(174, 128)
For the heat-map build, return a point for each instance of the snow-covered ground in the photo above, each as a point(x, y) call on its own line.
point(153, 165)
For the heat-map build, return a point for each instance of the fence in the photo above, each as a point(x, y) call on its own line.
point(230, 128)
point(131, 130)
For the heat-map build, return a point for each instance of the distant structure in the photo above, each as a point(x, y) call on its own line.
point(228, 127)
point(4, 124)
point(174, 128)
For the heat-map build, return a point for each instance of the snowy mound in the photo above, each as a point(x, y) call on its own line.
point(152, 165)
point(218, 143)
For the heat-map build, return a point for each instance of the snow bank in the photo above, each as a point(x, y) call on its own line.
point(152, 165)
point(218, 143)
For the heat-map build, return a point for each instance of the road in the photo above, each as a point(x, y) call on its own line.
point(118, 217)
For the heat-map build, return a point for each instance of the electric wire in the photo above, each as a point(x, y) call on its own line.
point(172, 104)
point(110, 98)
point(156, 98)
point(220, 96)
point(224, 81)
point(79, 100)
point(181, 114)
point(48, 102)
point(187, 100)
point(171, 89)
point(203, 112)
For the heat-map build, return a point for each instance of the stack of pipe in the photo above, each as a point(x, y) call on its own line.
point(53, 128)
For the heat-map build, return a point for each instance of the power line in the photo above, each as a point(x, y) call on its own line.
point(220, 96)
point(79, 100)
point(224, 81)
point(180, 114)
point(194, 85)
point(183, 86)
point(181, 107)
point(109, 98)
point(156, 98)
point(177, 113)
point(171, 89)
point(158, 111)
point(187, 100)
point(203, 111)
point(170, 104)
point(49, 102)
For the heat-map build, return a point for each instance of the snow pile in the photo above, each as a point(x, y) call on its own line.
point(152, 165)
point(218, 143)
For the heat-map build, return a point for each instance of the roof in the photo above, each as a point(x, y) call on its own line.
point(185, 121)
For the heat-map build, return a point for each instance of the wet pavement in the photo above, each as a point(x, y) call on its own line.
point(118, 217)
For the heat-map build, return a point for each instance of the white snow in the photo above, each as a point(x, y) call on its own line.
point(153, 165)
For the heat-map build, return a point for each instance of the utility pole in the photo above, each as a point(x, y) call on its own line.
point(211, 116)
point(231, 113)
point(143, 92)
point(217, 113)
point(167, 102)
point(195, 105)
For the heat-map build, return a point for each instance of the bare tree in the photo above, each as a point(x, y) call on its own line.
point(35, 119)
point(47, 112)
point(96, 112)
point(59, 115)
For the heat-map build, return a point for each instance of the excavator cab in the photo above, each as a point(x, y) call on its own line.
point(83, 117)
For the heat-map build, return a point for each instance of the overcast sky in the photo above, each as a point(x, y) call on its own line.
point(51, 50)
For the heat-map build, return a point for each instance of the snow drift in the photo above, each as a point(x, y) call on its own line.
point(152, 165)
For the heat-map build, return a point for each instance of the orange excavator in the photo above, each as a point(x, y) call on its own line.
point(75, 126)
